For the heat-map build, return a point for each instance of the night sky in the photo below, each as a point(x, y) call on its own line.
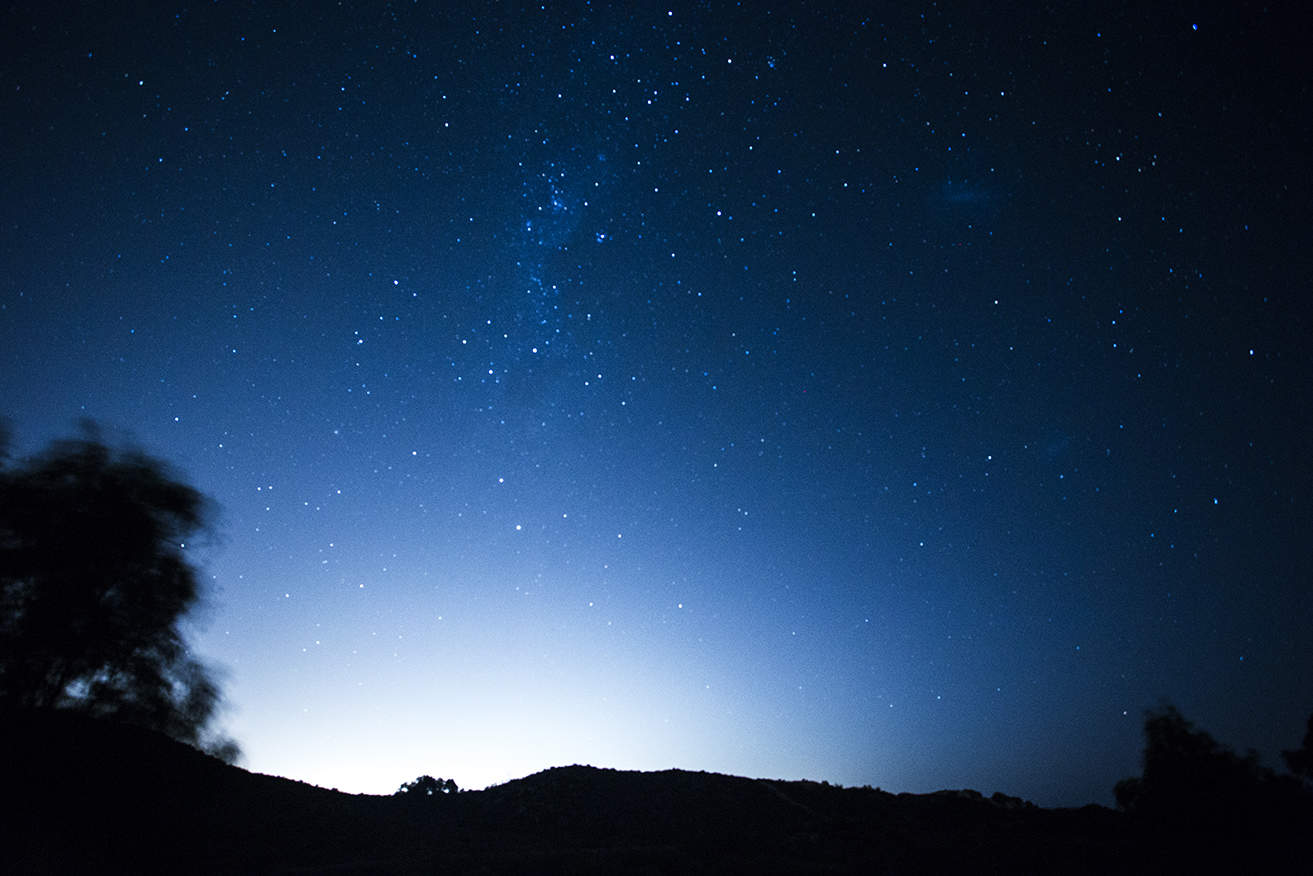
point(908, 399)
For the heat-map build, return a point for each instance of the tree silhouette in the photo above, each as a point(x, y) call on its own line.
point(427, 786)
point(1214, 809)
point(1190, 778)
point(1300, 760)
point(93, 585)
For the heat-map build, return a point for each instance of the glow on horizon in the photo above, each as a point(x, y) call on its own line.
point(486, 726)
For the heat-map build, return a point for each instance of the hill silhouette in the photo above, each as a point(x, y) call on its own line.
point(91, 796)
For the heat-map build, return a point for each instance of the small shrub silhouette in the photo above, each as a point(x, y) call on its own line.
point(427, 786)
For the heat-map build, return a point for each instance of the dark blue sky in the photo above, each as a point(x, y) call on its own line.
point(907, 400)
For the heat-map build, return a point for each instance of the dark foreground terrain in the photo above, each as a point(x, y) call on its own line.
point(90, 797)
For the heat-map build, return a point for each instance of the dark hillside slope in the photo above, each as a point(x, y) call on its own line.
point(733, 824)
point(90, 796)
point(95, 797)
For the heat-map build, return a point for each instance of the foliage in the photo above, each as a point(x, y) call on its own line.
point(427, 786)
point(1300, 760)
point(1191, 784)
point(94, 583)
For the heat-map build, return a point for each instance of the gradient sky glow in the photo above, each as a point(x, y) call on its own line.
point(907, 399)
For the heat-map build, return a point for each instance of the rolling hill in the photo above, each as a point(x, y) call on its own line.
point(105, 798)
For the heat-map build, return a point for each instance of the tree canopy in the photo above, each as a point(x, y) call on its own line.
point(94, 582)
point(1226, 811)
point(427, 786)
point(1300, 760)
